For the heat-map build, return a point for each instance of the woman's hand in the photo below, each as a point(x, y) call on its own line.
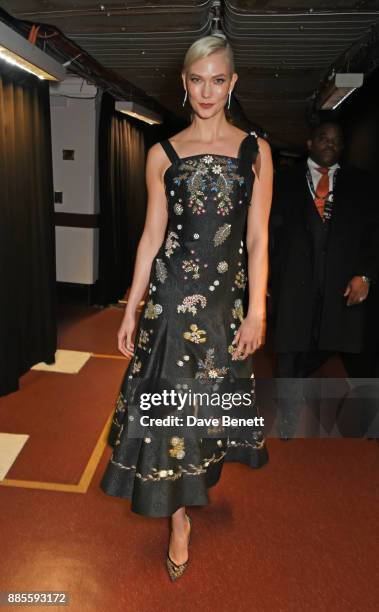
point(125, 334)
point(249, 337)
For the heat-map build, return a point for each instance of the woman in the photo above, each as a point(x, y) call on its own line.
point(206, 187)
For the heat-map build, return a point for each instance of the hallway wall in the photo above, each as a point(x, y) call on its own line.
point(74, 127)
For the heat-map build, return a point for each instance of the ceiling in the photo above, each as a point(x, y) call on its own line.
point(283, 48)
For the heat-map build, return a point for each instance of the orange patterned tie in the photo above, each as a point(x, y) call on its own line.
point(322, 190)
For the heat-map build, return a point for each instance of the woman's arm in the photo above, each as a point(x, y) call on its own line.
point(149, 243)
point(257, 234)
point(250, 335)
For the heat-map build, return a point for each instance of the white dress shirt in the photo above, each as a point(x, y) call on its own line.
point(317, 175)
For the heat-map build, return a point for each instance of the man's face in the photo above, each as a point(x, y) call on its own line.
point(326, 146)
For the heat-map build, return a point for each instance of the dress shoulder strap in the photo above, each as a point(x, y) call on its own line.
point(169, 150)
point(248, 156)
point(249, 149)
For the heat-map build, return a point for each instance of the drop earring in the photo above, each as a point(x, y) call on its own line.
point(185, 98)
point(230, 93)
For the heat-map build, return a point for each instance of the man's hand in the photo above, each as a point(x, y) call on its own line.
point(356, 290)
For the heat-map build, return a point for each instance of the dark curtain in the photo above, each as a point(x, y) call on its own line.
point(359, 115)
point(28, 328)
point(122, 159)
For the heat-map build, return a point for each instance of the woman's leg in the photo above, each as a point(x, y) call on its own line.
point(180, 528)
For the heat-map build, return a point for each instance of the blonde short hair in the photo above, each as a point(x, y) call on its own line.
point(202, 47)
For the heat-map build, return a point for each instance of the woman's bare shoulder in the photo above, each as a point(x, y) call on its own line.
point(156, 150)
point(263, 145)
point(156, 156)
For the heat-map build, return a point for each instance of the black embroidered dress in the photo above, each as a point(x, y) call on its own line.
point(193, 310)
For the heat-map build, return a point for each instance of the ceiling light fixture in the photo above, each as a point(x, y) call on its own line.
point(342, 85)
point(215, 18)
point(138, 111)
point(19, 52)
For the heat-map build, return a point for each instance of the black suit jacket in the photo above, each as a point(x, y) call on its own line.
point(352, 249)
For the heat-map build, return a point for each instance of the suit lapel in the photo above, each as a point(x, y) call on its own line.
point(305, 183)
point(339, 197)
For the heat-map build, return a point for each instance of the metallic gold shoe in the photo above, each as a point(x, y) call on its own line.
point(174, 570)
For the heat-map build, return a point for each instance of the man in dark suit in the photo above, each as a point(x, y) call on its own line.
point(324, 257)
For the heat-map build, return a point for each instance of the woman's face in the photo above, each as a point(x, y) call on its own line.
point(208, 82)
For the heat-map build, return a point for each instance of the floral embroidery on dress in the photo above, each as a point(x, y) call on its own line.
point(221, 234)
point(144, 338)
point(152, 311)
point(196, 335)
point(240, 279)
point(217, 169)
point(196, 203)
point(178, 208)
point(222, 266)
point(189, 265)
point(169, 474)
point(160, 270)
point(208, 368)
point(237, 311)
point(188, 304)
point(178, 448)
point(136, 366)
point(120, 408)
point(172, 242)
point(218, 178)
point(152, 288)
point(259, 442)
point(118, 439)
point(120, 402)
point(232, 349)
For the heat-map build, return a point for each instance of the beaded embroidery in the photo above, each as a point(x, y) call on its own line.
point(190, 301)
point(222, 233)
point(196, 335)
point(160, 270)
point(152, 310)
point(218, 178)
point(207, 367)
point(172, 242)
